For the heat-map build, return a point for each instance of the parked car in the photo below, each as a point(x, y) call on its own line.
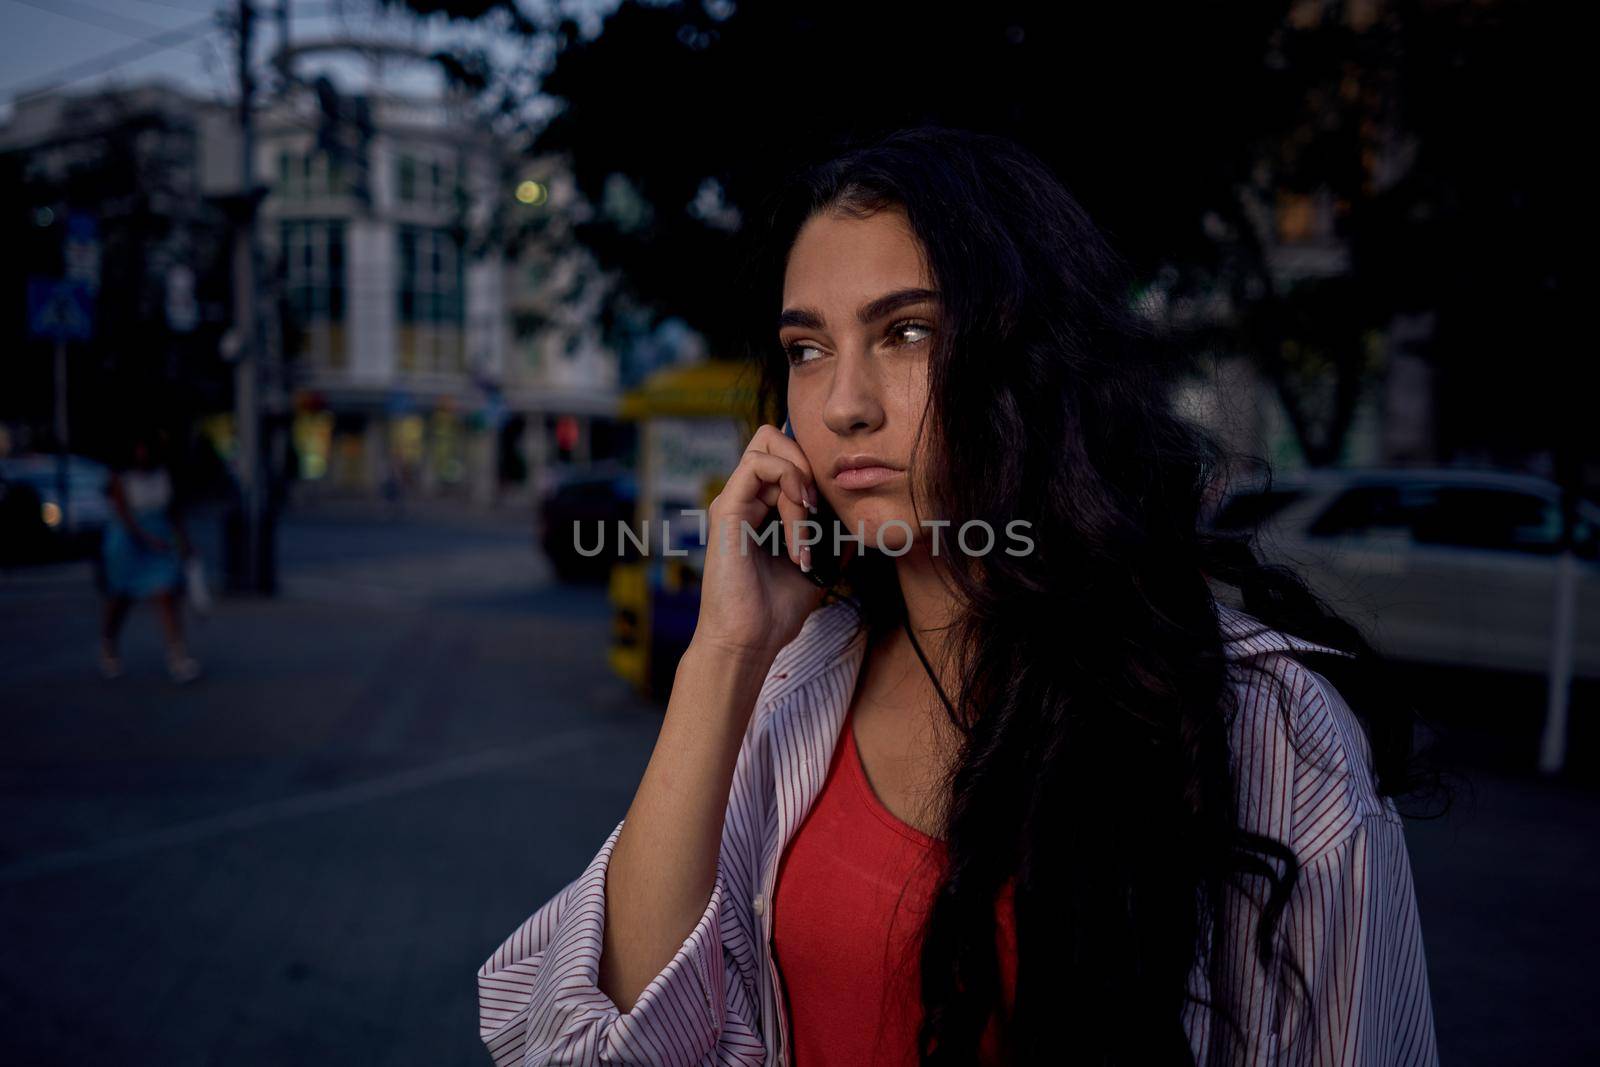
point(593, 497)
point(1437, 565)
point(34, 524)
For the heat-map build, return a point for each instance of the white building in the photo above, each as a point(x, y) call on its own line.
point(383, 256)
point(430, 342)
point(440, 324)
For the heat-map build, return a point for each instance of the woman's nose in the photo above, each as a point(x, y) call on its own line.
point(854, 403)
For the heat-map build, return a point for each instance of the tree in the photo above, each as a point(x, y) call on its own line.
point(707, 104)
point(1421, 139)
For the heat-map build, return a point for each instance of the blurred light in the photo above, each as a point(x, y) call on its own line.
point(532, 192)
point(406, 433)
point(566, 432)
point(218, 430)
point(51, 513)
point(312, 432)
point(43, 217)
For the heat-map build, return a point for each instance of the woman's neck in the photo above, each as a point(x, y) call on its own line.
point(901, 727)
point(930, 609)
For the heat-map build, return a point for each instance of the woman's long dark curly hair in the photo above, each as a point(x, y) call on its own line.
point(1094, 698)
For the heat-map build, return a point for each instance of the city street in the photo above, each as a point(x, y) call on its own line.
point(303, 857)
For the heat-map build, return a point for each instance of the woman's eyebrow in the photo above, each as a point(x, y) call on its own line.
point(870, 312)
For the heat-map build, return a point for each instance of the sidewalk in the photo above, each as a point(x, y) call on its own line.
point(507, 513)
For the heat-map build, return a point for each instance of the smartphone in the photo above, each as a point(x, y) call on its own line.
point(824, 562)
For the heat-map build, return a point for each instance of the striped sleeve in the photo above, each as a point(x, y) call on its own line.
point(538, 1001)
point(1350, 927)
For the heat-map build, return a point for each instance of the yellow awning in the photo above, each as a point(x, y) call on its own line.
point(706, 389)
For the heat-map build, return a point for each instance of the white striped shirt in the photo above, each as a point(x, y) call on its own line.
point(1351, 923)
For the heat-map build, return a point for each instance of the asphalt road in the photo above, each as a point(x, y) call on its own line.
point(303, 857)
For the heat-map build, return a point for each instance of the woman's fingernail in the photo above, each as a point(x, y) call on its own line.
point(805, 559)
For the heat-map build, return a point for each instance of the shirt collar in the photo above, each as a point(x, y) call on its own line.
point(828, 634)
point(812, 681)
point(1245, 635)
point(830, 638)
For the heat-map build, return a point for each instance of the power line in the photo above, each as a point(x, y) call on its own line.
point(109, 61)
point(93, 16)
point(176, 5)
point(131, 53)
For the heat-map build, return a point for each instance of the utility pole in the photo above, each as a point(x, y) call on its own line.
point(247, 375)
point(1564, 625)
point(63, 480)
point(283, 46)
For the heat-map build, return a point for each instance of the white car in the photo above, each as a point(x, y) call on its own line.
point(1443, 566)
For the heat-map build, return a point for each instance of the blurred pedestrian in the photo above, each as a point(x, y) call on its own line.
point(392, 482)
point(143, 554)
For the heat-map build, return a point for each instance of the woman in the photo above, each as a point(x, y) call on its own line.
point(1035, 806)
point(143, 552)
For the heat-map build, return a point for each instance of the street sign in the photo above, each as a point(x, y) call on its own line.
point(81, 250)
point(182, 311)
point(60, 310)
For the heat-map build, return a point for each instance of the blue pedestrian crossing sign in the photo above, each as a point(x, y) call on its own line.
point(60, 310)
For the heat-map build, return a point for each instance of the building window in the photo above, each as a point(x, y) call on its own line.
point(286, 168)
point(314, 280)
point(428, 177)
point(431, 304)
point(406, 181)
point(305, 176)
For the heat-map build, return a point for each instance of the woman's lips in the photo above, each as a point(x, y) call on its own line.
point(864, 477)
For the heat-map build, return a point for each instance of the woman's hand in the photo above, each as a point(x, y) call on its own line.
point(752, 602)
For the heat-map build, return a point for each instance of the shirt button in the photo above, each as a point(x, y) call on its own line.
point(760, 904)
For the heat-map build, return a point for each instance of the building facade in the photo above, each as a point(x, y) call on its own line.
point(380, 250)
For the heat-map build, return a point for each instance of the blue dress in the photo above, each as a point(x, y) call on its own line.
point(135, 570)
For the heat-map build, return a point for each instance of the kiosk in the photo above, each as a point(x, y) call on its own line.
point(694, 421)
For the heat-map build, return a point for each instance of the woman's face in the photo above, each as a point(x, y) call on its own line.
point(858, 319)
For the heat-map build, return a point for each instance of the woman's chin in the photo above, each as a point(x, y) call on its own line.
point(888, 533)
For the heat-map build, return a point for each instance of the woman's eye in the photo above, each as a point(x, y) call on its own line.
point(909, 333)
point(901, 333)
point(797, 352)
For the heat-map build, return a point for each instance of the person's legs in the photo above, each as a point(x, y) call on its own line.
point(172, 622)
point(179, 663)
point(111, 619)
point(112, 616)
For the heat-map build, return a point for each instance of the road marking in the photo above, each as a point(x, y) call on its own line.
point(317, 803)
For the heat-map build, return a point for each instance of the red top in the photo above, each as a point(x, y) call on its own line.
point(853, 888)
